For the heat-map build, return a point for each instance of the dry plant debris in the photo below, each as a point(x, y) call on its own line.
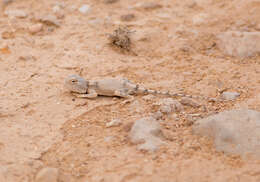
point(121, 38)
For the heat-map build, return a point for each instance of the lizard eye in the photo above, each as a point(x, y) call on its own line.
point(73, 81)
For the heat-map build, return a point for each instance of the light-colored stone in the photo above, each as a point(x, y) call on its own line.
point(146, 132)
point(239, 44)
point(189, 102)
point(169, 105)
point(164, 15)
point(199, 19)
point(47, 174)
point(8, 35)
point(56, 9)
point(149, 97)
point(35, 28)
point(49, 20)
point(234, 131)
point(166, 109)
point(84, 9)
point(230, 95)
point(16, 13)
point(157, 115)
point(114, 122)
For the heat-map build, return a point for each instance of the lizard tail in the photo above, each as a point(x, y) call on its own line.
point(169, 94)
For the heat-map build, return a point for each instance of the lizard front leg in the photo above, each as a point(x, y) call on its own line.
point(91, 95)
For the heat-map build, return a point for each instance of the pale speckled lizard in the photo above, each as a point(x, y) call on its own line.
point(120, 87)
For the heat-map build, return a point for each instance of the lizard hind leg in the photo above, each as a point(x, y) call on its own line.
point(121, 93)
point(124, 94)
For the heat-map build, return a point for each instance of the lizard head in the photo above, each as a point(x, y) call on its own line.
point(77, 84)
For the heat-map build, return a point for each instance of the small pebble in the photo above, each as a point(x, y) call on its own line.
point(16, 13)
point(8, 35)
point(114, 122)
point(166, 109)
point(49, 20)
point(35, 28)
point(127, 126)
point(58, 11)
point(151, 6)
point(169, 105)
point(164, 15)
point(56, 8)
point(189, 102)
point(199, 19)
point(84, 9)
point(230, 95)
point(127, 17)
point(109, 138)
point(60, 14)
point(95, 21)
point(110, 1)
point(149, 97)
point(157, 115)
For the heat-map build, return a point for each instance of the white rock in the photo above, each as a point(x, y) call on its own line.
point(109, 138)
point(47, 174)
point(234, 131)
point(230, 95)
point(114, 122)
point(84, 9)
point(166, 109)
point(169, 105)
point(146, 132)
point(95, 21)
point(35, 28)
point(164, 15)
point(149, 97)
point(199, 19)
point(239, 44)
point(189, 102)
point(56, 9)
point(49, 20)
point(16, 13)
point(157, 115)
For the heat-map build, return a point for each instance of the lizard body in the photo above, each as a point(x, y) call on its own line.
point(109, 86)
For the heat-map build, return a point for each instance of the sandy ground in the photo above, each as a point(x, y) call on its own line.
point(175, 44)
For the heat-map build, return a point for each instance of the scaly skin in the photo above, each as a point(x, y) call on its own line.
point(120, 87)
